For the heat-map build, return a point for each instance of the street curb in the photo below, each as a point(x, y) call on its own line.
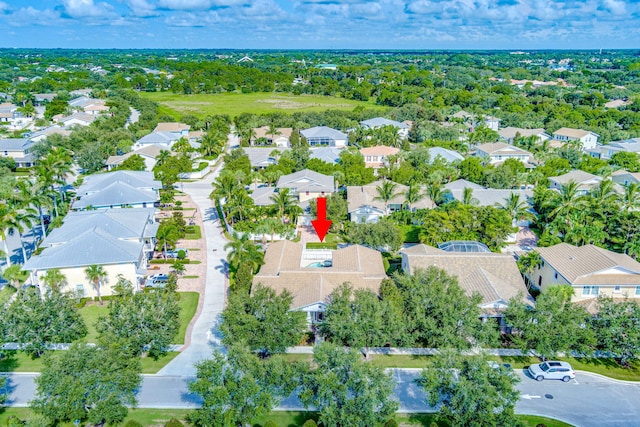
point(606, 378)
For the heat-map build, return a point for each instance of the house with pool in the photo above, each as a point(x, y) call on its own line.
point(311, 275)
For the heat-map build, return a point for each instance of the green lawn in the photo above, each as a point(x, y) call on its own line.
point(159, 417)
point(410, 233)
point(188, 307)
point(193, 232)
point(234, 104)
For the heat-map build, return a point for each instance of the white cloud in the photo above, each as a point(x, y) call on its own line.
point(191, 5)
point(142, 8)
point(4, 6)
point(86, 9)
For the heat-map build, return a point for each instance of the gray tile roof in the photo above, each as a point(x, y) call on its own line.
point(262, 196)
point(152, 151)
point(323, 132)
point(261, 156)
point(492, 196)
point(381, 121)
point(94, 183)
point(577, 264)
point(15, 144)
point(326, 154)
point(116, 194)
point(448, 155)
point(307, 180)
point(494, 276)
point(88, 248)
point(460, 184)
point(363, 196)
point(118, 223)
point(159, 138)
point(577, 176)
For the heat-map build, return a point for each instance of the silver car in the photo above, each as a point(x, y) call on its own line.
point(552, 370)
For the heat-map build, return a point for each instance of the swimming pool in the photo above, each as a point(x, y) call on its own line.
point(320, 264)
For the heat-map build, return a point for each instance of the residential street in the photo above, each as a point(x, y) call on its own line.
point(589, 401)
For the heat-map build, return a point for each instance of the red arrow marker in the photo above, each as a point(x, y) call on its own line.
point(322, 224)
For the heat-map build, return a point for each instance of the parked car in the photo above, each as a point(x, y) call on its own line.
point(173, 253)
point(159, 280)
point(552, 370)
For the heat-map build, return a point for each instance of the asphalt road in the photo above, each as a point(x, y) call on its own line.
point(588, 401)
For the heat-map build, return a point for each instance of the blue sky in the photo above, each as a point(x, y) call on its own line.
point(321, 24)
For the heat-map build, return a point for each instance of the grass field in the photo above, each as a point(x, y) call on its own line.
point(16, 361)
point(158, 418)
point(234, 104)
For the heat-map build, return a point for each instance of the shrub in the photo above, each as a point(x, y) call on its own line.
point(270, 423)
point(310, 423)
point(391, 423)
point(173, 422)
point(133, 423)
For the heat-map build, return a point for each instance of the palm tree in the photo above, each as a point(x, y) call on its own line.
point(413, 194)
point(518, 209)
point(467, 197)
point(568, 200)
point(13, 274)
point(386, 192)
point(162, 157)
point(96, 275)
point(604, 197)
point(36, 195)
point(338, 177)
point(224, 187)
point(54, 279)
point(631, 198)
point(243, 251)
point(435, 193)
point(283, 201)
point(273, 131)
point(167, 236)
point(240, 204)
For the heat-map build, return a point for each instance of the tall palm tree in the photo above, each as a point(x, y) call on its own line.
point(240, 204)
point(435, 193)
point(386, 192)
point(224, 187)
point(467, 197)
point(243, 250)
point(413, 194)
point(518, 209)
point(283, 200)
point(631, 198)
point(54, 279)
point(273, 131)
point(96, 275)
point(568, 200)
point(604, 197)
point(36, 195)
point(167, 236)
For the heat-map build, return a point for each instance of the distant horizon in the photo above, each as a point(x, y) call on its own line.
point(252, 49)
point(431, 25)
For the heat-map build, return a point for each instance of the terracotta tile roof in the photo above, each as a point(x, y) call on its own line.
point(580, 265)
point(263, 132)
point(171, 127)
point(363, 195)
point(360, 266)
point(379, 150)
point(494, 276)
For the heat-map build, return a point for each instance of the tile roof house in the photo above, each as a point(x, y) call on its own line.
point(118, 189)
point(173, 127)
point(508, 134)
point(9, 113)
point(587, 139)
point(280, 138)
point(19, 149)
point(585, 180)
point(498, 152)
point(312, 275)
point(121, 241)
point(494, 276)
point(482, 196)
point(261, 196)
point(330, 155)
point(445, 154)
point(376, 157)
point(589, 269)
point(307, 184)
point(162, 139)
point(631, 145)
point(363, 206)
point(261, 157)
point(323, 135)
point(76, 119)
point(46, 132)
point(148, 153)
point(625, 178)
point(378, 122)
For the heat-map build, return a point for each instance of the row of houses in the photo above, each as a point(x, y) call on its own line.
point(112, 224)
